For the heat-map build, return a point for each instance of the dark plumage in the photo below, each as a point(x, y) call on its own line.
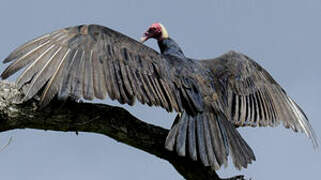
point(212, 96)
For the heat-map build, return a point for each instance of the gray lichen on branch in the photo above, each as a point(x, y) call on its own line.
point(114, 122)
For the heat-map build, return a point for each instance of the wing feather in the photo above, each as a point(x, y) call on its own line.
point(24, 60)
point(44, 74)
point(165, 101)
point(99, 81)
point(151, 89)
point(109, 76)
point(87, 84)
point(159, 93)
point(133, 84)
point(68, 73)
point(102, 62)
point(121, 88)
point(126, 84)
point(169, 95)
point(254, 97)
point(29, 46)
point(54, 83)
point(137, 86)
point(42, 60)
point(146, 88)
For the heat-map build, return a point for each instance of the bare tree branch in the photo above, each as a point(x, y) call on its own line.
point(114, 122)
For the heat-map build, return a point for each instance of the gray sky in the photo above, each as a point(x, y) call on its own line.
point(282, 36)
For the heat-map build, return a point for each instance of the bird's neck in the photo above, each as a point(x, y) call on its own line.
point(169, 47)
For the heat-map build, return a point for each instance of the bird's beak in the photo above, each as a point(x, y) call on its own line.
point(144, 38)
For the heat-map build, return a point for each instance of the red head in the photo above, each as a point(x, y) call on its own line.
point(156, 31)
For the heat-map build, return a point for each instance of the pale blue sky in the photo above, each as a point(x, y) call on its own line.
point(282, 36)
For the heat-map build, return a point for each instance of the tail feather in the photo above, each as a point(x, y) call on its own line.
point(209, 138)
point(210, 144)
point(192, 139)
point(241, 153)
point(171, 137)
point(218, 142)
point(201, 140)
point(181, 137)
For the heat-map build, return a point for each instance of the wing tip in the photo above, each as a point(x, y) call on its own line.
point(6, 60)
point(312, 135)
point(305, 124)
point(5, 74)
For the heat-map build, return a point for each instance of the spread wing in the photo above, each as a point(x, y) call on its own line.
point(91, 61)
point(253, 97)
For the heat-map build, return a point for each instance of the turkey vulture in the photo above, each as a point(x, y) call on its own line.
point(212, 96)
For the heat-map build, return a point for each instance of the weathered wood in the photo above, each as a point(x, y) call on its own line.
point(111, 121)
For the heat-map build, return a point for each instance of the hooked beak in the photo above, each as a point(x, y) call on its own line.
point(144, 38)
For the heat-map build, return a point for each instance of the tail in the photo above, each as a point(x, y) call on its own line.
point(209, 138)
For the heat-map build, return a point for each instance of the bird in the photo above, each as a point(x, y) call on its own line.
point(212, 97)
